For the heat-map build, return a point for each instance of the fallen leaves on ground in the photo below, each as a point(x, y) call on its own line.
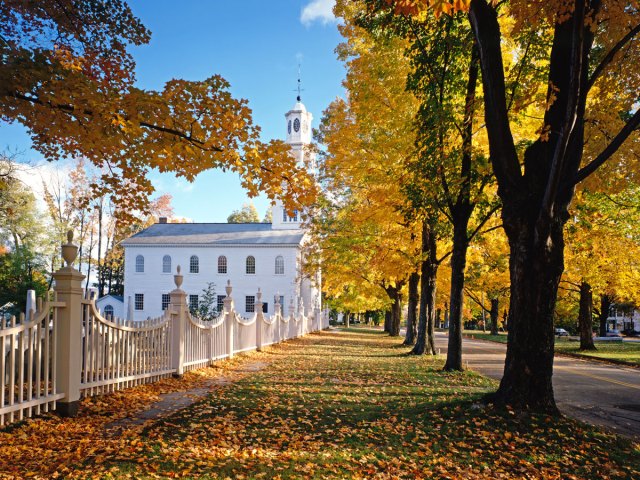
point(330, 405)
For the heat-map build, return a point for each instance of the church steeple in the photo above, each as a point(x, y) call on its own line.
point(298, 136)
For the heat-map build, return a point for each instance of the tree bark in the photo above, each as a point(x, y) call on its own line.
point(412, 320)
point(395, 314)
point(535, 270)
point(585, 317)
point(429, 269)
point(387, 321)
point(458, 263)
point(605, 304)
point(493, 315)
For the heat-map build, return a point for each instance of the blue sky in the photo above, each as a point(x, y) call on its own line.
point(256, 45)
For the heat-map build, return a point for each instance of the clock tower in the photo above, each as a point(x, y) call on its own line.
point(298, 123)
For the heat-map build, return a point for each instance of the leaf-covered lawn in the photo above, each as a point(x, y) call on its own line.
point(332, 405)
point(618, 351)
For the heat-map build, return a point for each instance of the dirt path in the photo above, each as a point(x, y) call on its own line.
point(173, 402)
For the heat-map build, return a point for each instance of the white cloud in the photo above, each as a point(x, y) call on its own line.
point(318, 11)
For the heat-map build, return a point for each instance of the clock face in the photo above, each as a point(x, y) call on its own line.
point(296, 124)
point(289, 127)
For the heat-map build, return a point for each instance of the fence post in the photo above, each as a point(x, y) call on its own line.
point(292, 310)
point(69, 331)
point(229, 317)
point(259, 320)
point(178, 306)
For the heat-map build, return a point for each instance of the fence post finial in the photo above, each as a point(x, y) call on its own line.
point(69, 250)
point(178, 278)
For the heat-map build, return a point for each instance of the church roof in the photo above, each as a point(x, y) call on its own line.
point(222, 234)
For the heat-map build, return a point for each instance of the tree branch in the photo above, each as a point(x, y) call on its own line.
point(608, 58)
point(618, 140)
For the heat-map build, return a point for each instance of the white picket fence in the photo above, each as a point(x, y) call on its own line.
point(28, 363)
point(66, 349)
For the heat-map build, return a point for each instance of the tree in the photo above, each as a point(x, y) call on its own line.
point(207, 303)
point(21, 270)
point(602, 241)
point(68, 77)
point(367, 246)
point(591, 76)
point(247, 214)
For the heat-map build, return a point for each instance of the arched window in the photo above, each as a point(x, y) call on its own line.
point(251, 265)
point(194, 264)
point(222, 264)
point(279, 265)
point(139, 264)
point(166, 264)
point(108, 311)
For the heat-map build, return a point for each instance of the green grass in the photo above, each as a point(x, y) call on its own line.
point(617, 351)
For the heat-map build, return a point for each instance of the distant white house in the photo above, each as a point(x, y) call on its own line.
point(251, 255)
point(111, 306)
point(621, 319)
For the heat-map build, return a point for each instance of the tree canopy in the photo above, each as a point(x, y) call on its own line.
point(67, 75)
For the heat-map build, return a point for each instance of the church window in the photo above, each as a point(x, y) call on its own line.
point(194, 264)
point(139, 264)
point(279, 265)
point(250, 304)
point(166, 299)
point(284, 214)
point(222, 264)
point(295, 216)
point(193, 303)
point(166, 264)
point(221, 303)
point(251, 265)
point(139, 301)
point(108, 311)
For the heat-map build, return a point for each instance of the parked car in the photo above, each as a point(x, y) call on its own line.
point(561, 332)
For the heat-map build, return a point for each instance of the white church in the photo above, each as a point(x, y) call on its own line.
point(251, 255)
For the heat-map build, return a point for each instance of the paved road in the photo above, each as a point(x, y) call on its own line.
point(594, 392)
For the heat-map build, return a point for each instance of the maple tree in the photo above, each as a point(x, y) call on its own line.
point(366, 245)
point(590, 69)
point(68, 77)
point(602, 242)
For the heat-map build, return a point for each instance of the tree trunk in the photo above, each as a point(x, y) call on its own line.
point(446, 315)
point(429, 269)
point(99, 259)
point(458, 263)
point(396, 314)
point(387, 321)
point(585, 317)
point(605, 304)
point(86, 286)
point(536, 264)
point(347, 324)
point(493, 315)
point(412, 321)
